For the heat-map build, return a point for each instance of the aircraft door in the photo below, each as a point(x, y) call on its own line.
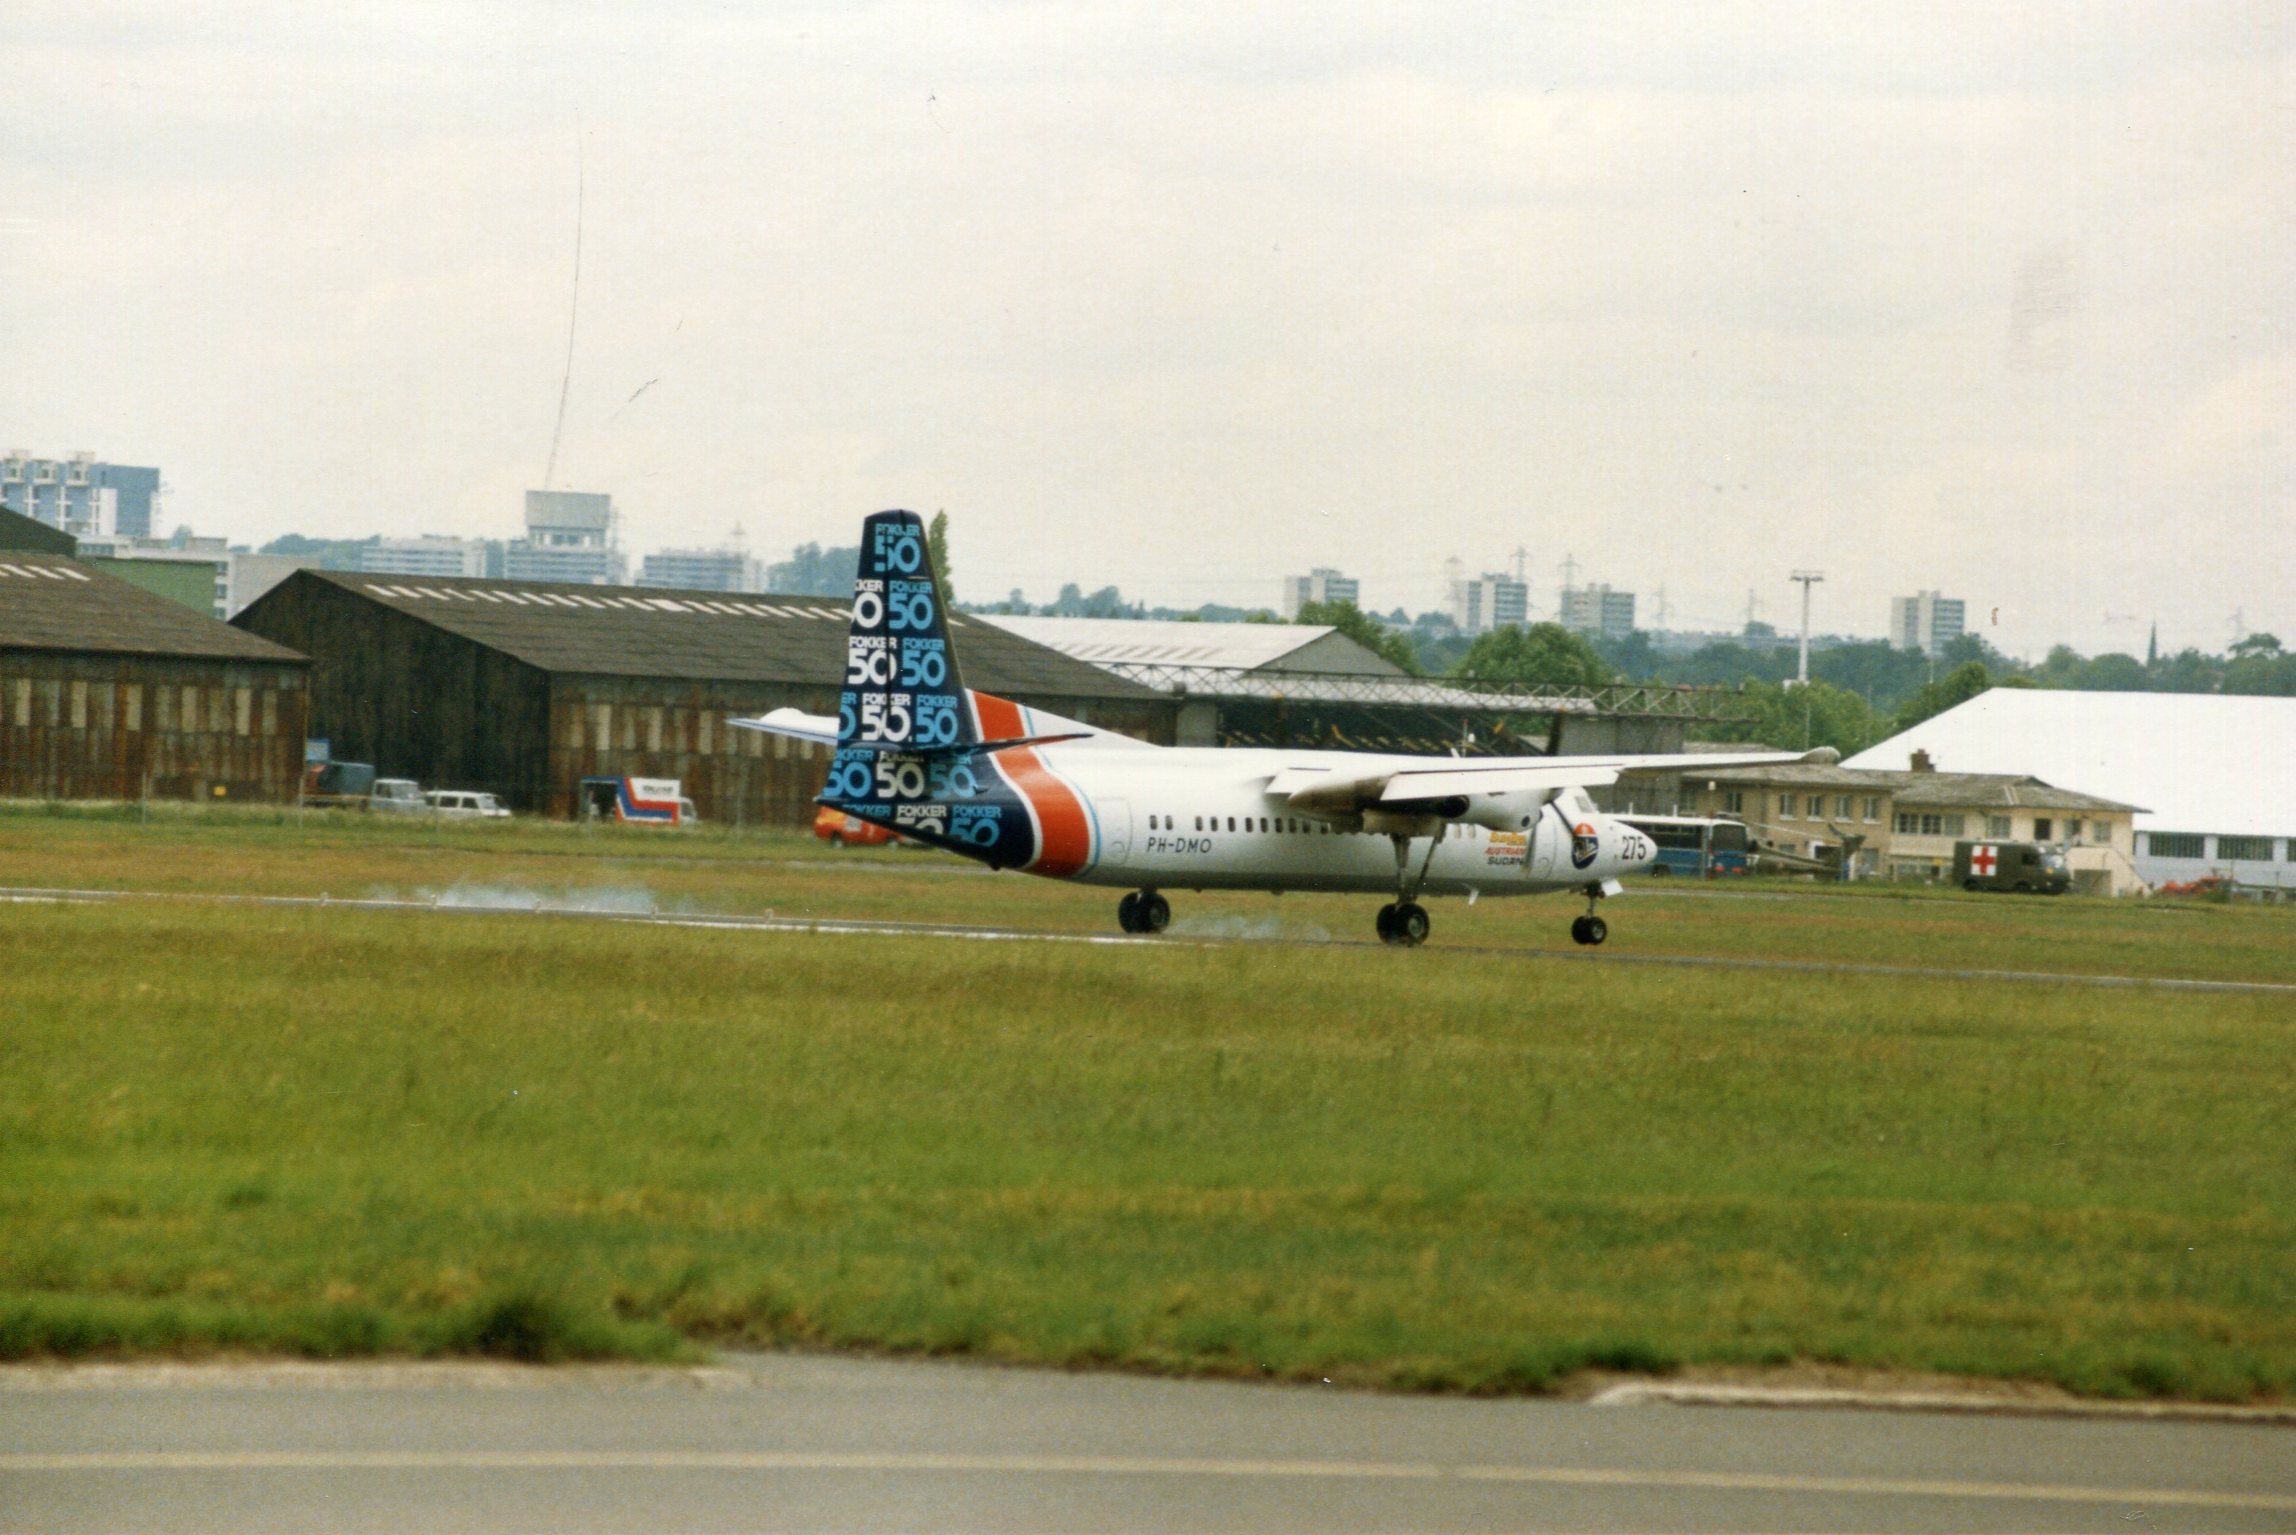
point(1548, 836)
point(1115, 830)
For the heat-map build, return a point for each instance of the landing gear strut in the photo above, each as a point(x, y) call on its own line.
point(1403, 921)
point(1590, 929)
point(1143, 911)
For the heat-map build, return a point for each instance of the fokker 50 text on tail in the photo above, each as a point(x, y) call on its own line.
point(918, 751)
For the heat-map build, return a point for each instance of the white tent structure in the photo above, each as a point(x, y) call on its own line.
point(2216, 775)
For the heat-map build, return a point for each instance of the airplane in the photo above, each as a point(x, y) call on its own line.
point(919, 753)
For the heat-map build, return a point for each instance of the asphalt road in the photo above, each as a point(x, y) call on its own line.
point(788, 1443)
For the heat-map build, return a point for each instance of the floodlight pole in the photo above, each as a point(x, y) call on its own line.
point(1808, 578)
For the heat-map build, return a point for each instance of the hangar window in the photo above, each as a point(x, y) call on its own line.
point(242, 711)
point(2177, 844)
point(23, 700)
point(188, 718)
point(131, 714)
point(270, 712)
point(2257, 848)
point(79, 697)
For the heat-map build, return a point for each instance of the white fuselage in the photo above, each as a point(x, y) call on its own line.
point(1201, 818)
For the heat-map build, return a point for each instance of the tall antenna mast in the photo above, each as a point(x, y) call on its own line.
point(573, 311)
point(1808, 578)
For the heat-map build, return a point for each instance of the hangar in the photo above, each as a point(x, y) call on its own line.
point(108, 691)
point(525, 688)
point(1244, 684)
point(2213, 771)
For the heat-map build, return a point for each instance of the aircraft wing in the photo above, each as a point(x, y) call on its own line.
point(1325, 790)
point(820, 728)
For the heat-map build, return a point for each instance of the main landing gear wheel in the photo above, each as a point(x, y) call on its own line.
point(1143, 911)
point(1403, 923)
point(1589, 930)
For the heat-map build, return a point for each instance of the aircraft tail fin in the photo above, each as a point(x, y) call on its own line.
point(902, 691)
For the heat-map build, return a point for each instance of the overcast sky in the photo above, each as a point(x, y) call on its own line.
point(1991, 298)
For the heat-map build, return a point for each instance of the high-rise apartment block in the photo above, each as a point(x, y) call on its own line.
point(1925, 622)
point(1318, 585)
point(571, 536)
point(1490, 601)
point(701, 570)
point(428, 555)
point(1597, 610)
point(85, 498)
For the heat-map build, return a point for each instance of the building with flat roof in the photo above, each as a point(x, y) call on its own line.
point(1318, 585)
point(1489, 601)
point(572, 536)
point(1597, 610)
point(524, 688)
point(701, 570)
point(108, 691)
point(425, 555)
point(80, 494)
point(1925, 622)
point(2212, 771)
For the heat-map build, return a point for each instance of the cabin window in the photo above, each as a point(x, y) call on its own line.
point(1231, 823)
point(1199, 823)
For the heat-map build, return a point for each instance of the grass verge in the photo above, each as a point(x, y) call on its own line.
point(330, 1133)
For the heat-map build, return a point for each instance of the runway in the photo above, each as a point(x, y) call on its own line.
point(780, 1442)
point(835, 927)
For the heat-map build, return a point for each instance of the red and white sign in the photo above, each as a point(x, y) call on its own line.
point(1983, 860)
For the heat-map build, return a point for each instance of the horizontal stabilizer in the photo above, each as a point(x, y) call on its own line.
point(796, 723)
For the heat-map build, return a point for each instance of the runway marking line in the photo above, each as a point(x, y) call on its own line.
point(1122, 1465)
point(866, 927)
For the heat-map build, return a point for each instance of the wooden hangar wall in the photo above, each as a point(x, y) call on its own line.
point(110, 692)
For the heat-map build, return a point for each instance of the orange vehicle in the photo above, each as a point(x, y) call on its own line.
point(842, 830)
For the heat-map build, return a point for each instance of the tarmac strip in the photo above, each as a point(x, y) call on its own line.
point(431, 1461)
point(773, 923)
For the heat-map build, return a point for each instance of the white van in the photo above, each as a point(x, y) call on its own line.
point(397, 796)
point(466, 803)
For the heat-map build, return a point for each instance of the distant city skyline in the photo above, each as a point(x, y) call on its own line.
point(1992, 299)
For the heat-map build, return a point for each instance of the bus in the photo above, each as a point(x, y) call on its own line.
point(1697, 846)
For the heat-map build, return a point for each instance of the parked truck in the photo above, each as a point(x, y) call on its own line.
point(2020, 866)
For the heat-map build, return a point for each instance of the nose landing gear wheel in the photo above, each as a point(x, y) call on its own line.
point(1403, 923)
point(1143, 911)
point(1589, 930)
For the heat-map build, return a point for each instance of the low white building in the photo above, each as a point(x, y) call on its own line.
point(2216, 774)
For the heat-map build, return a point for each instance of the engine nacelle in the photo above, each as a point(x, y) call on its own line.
point(1506, 812)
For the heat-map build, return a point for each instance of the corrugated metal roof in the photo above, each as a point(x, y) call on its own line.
point(18, 531)
point(51, 603)
point(2197, 762)
point(1168, 642)
point(1960, 791)
point(621, 631)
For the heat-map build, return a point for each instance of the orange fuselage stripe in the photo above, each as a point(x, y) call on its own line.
point(1061, 817)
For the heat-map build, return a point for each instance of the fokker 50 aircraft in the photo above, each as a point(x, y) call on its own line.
point(918, 751)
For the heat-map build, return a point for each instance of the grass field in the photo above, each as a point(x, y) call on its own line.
point(342, 1132)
